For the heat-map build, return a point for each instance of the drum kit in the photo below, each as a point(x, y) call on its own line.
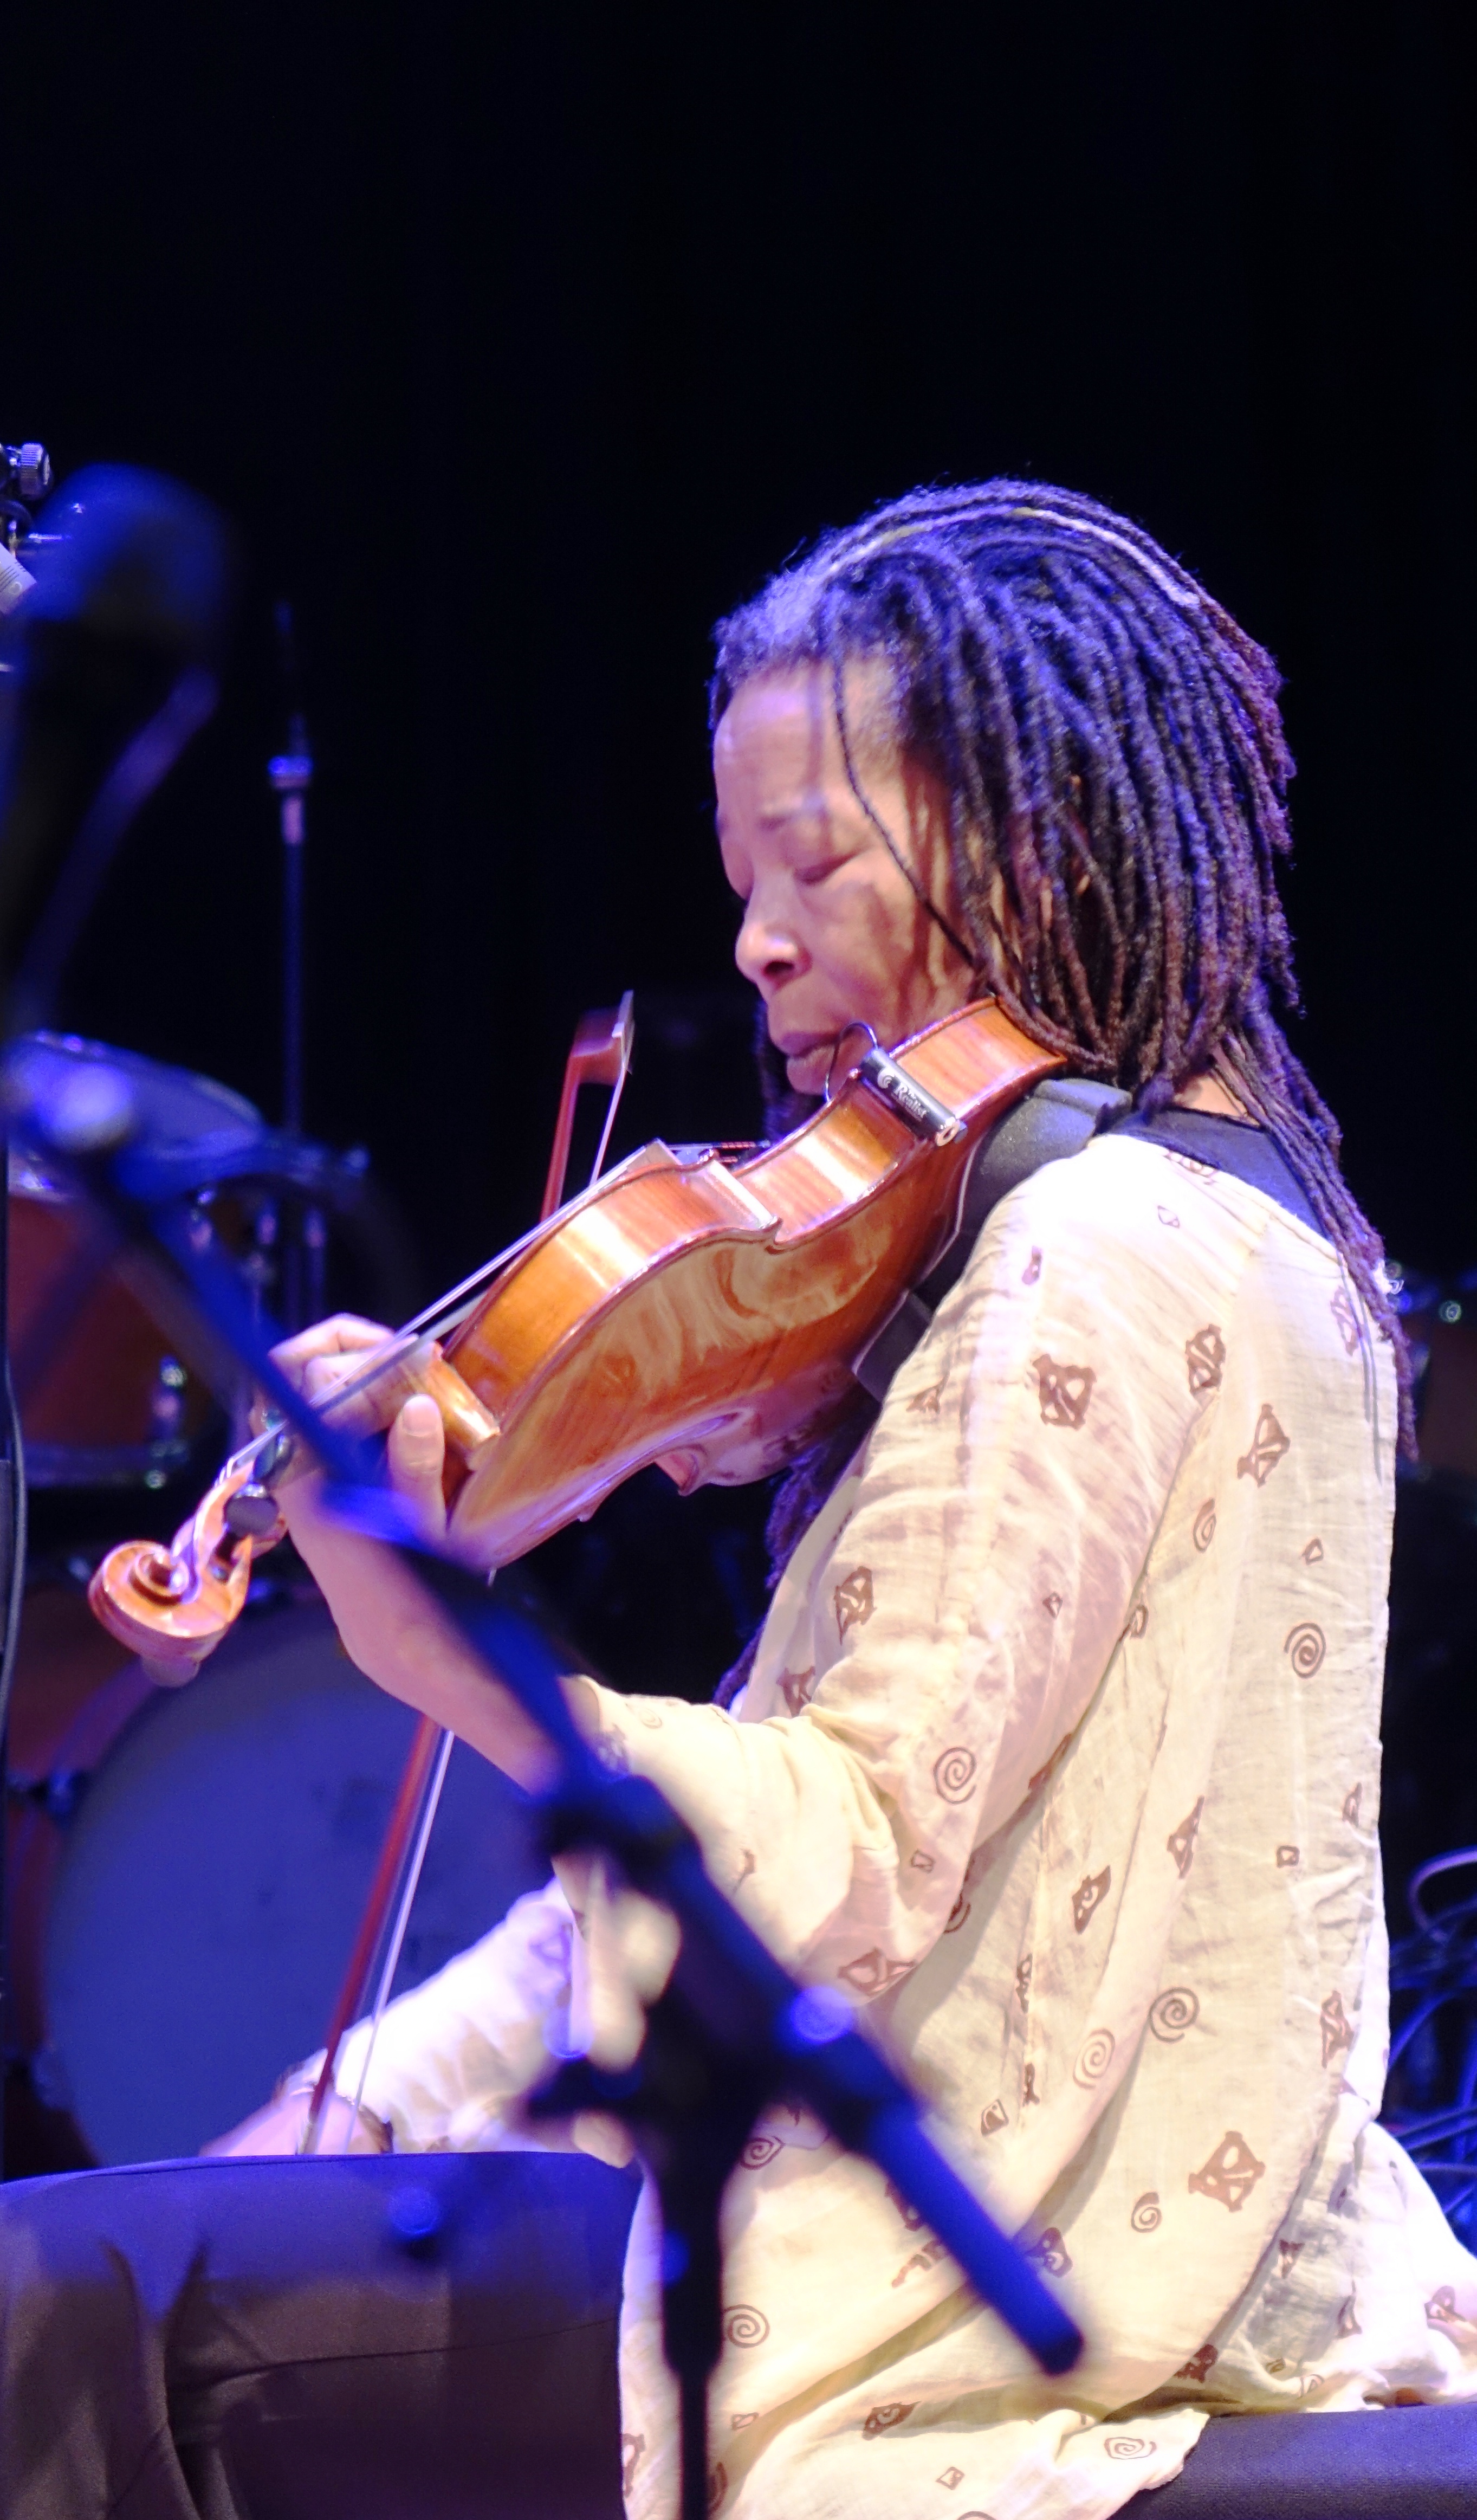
point(183, 1868)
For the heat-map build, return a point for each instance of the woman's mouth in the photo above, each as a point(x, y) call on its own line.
point(807, 1059)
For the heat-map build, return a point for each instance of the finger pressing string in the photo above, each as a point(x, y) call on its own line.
point(417, 1459)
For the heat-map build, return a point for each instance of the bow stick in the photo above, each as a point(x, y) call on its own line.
point(600, 1054)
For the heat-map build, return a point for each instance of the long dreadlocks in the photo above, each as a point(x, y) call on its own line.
point(1113, 755)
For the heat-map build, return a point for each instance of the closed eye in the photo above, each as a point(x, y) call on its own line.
point(819, 868)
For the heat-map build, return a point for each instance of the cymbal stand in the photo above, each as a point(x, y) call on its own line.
point(304, 1255)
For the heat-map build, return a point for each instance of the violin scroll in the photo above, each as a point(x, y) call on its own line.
point(171, 1607)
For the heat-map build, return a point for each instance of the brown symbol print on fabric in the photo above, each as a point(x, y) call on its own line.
point(924, 1404)
point(1336, 2028)
point(911, 2219)
point(1173, 2012)
point(882, 2419)
point(1050, 2252)
point(797, 1688)
point(1182, 1843)
point(954, 1774)
point(853, 1600)
point(1442, 2310)
point(1139, 1620)
point(718, 2486)
point(1028, 2090)
point(1351, 1805)
point(1032, 1269)
point(992, 2117)
point(1205, 1358)
point(1230, 2173)
point(1203, 1528)
point(1065, 1391)
point(632, 2451)
point(1095, 2057)
point(1290, 2252)
point(1052, 1764)
point(1307, 1645)
point(1200, 2364)
point(742, 2325)
point(952, 2476)
point(1347, 1320)
point(1050, 1603)
point(921, 2261)
point(1347, 2319)
point(739, 2423)
point(919, 1861)
point(1147, 2216)
point(1023, 1983)
point(1089, 1896)
point(759, 2151)
point(1286, 1857)
point(872, 1972)
point(1129, 2446)
point(748, 1867)
point(1268, 1445)
point(958, 1914)
point(1312, 1554)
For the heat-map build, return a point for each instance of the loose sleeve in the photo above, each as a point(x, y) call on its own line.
point(946, 1623)
point(456, 2050)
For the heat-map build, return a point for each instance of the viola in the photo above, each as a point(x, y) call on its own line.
point(685, 1310)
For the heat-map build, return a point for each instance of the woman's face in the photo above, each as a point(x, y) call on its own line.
point(832, 932)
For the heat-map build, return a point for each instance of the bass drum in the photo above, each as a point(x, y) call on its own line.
point(189, 1868)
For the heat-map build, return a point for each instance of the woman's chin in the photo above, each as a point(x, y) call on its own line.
point(808, 1074)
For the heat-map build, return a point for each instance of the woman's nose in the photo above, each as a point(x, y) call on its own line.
point(766, 949)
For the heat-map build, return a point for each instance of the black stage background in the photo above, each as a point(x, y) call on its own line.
point(519, 354)
point(519, 349)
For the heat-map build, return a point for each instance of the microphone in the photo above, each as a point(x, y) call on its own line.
point(107, 666)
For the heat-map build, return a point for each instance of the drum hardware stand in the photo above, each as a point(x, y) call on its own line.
point(12, 1598)
point(734, 2030)
point(303, 1258)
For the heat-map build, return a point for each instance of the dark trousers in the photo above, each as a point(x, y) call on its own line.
point(325, 2340)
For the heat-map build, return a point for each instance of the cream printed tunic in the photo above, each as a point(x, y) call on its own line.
point(1060, 1757)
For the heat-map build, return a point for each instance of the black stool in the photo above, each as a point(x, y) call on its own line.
point(1392, 2463)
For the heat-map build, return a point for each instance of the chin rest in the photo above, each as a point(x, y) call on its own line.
point(1384, 2463)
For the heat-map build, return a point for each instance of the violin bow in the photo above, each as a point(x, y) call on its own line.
point(600, 1054)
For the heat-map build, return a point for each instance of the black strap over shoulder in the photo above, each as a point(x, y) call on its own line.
point(1053, 1121)
point(1237, 1146)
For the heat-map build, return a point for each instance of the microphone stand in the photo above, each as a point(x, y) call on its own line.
point(732, 2030)
point(26, 470)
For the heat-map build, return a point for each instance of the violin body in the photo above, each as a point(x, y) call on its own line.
point(694, 1313)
